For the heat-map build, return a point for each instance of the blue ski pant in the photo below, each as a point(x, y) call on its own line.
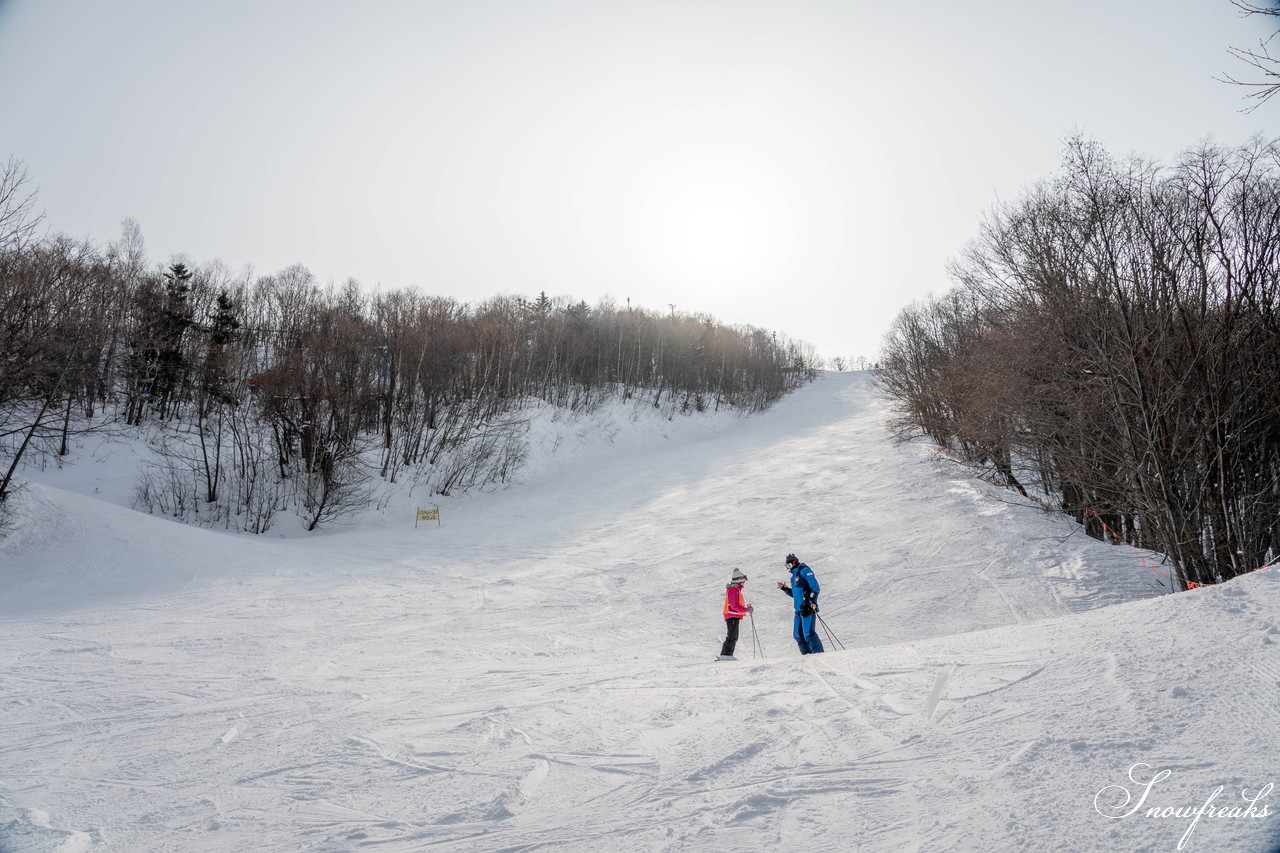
point(805, 631)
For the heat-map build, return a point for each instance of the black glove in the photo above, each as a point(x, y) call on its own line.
point(806, 611)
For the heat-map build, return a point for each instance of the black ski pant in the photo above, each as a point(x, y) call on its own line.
point(731, 639)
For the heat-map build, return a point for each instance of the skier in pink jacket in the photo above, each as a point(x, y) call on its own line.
point(734, 609)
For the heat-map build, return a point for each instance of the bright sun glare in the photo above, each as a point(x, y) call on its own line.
point(719, 222)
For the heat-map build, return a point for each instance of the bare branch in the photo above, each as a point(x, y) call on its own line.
point(18, 216)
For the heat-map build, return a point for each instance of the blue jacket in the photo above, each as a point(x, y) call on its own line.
point(804, 587)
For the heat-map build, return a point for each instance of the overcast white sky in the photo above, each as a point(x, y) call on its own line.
point(800, 165)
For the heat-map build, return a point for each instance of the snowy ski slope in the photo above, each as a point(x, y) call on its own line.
point(537, 673)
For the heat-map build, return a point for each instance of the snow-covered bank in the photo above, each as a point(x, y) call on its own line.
point(536, 673)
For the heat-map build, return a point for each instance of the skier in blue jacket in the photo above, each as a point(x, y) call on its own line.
point(804, 593)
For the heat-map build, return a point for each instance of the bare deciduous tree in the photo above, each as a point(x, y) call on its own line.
point(19, 219)
point(1259, 58)
point(1112, 343)
point(273, 394)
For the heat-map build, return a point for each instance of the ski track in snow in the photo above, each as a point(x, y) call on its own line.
point(536, 674)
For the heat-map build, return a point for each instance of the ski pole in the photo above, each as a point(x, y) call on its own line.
point(830, 635)
point(755, 638)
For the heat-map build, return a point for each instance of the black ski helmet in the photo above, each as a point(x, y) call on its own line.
point(791, 558)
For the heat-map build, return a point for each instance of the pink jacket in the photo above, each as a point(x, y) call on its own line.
point(734, 606)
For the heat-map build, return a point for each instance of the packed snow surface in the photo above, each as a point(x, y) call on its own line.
point(538, 672)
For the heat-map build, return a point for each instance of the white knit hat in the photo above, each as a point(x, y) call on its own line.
point(738, 576)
